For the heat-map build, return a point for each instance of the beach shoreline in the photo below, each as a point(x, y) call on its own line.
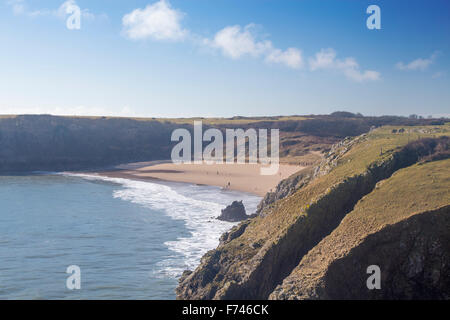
point(238, 177)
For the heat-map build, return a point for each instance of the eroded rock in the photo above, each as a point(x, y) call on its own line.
point(234, 212)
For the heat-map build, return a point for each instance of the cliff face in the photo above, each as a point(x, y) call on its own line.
point(49, 143)
point(266, 256)
point(401, 227)
point(413, 256)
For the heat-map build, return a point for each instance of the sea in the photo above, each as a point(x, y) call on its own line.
point(128, 239)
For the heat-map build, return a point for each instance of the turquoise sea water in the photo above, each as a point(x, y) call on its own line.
point(131, 239)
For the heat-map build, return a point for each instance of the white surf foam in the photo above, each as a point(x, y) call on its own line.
point(197, 206)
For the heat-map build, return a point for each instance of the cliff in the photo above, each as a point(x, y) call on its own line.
point(373, 198)
point(51, 143)
point(401, 226)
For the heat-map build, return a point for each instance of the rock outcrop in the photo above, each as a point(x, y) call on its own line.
point(234, 212)
point(285, 188)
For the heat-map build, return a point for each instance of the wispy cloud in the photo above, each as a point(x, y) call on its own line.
point(291, 57)
point(20, 7)
point(418, 64)
point(326, 59)
point(158, 21)
point(438, 74)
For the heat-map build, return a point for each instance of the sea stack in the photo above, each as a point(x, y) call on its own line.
point(234, 212)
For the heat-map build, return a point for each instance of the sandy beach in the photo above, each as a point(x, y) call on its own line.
point(241, 177)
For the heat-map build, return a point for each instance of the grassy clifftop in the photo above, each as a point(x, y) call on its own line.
point(255, 258)
point(50, 143)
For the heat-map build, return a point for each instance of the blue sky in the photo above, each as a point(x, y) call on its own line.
point(224, 58)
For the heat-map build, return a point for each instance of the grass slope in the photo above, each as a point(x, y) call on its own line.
point(411, 191)
point(250, 265)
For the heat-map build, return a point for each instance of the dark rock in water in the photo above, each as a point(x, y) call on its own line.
point(234, 212)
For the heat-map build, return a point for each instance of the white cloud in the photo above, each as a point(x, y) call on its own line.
point(235, 42)
point(358, 76)
point(326, 59)
point(418, 64)
point(157, 21)
point(292, 57)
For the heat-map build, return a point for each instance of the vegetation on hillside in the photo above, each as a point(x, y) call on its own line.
point(49, 143)
point(271, 245)
point(329, 271)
